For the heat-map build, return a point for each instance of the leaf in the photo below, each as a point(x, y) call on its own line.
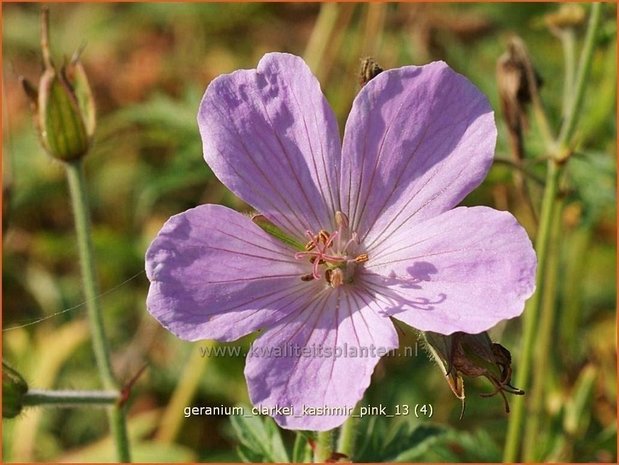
point(260, 440)
point(403, 442)
point(278, 451)
point(462, 446)
point(423, 438)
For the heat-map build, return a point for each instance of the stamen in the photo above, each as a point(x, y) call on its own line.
point(327, 256)
point(323, 236)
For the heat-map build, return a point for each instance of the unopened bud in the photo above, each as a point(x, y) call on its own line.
point(63, 105)
point(61, 125)
point(14, 388)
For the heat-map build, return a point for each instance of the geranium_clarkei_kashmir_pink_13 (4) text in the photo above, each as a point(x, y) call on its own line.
point(376, 212)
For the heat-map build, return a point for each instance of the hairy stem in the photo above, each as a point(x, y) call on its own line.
point(68, 399)
point(81, 213)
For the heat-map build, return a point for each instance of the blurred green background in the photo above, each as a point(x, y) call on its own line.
point(148, 65)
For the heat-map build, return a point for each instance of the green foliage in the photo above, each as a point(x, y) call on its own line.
point(383, 442)
point(259, 438)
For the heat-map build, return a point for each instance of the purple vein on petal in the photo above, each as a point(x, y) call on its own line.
point(329, 208)
point(411, 157)
point(357, 220)
point(295, 229)
point(292, 169)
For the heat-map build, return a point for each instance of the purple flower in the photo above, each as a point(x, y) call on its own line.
point(376, 214)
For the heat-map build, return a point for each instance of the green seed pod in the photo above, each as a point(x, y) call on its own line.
point(14, 389)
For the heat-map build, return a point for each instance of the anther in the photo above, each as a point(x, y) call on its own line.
point(362, 258)
point(307, 277)
point(323, 236)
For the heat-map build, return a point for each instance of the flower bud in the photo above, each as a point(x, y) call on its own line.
point(63, 105)
point(61, 125)
point(14, 389)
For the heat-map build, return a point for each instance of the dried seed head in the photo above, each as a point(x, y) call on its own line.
point(473, 355)
point(517, 81)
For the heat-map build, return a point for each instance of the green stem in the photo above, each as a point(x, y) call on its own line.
point(68, 399)
point(568, 41)
point(582, 78)
point(558, 156)
point(531, 312)
point(324, 446)
point(81, 213)
point(544, 339)
point(346, 440)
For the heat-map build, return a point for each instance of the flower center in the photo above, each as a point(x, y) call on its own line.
point(334, 256)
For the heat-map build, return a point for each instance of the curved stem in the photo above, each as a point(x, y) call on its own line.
point(324, 446)
point(81, 213)
point(68, 399)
